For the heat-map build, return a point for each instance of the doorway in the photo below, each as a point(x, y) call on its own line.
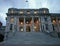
point(28, 29)
point(21, 29)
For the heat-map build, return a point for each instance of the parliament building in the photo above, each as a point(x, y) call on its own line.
point(32, 20)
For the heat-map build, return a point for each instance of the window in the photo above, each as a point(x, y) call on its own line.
point(21, 21)
point(28, 12)
point(11, 26)
point(12, 19)
point(35, 12)
point(21, 12)
point(59, 20)
point(54, 21)
point(44, 11)
point(21, 29)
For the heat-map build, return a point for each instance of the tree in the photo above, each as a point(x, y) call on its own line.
point(0, 24)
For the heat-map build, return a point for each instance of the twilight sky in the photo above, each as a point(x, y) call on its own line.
point(52, 5)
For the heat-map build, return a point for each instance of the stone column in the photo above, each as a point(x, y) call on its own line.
point(7, 28)
point(17, 23)
point(39, 24)
point(42, 23)
point(32, 24)
point(57, 24)
point(7, 24)
point(50, 27)
point(24, 25)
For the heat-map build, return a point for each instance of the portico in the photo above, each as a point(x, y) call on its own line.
point(29, 24)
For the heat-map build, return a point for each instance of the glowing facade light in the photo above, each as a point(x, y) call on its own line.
point(12, 19)
point(35, 12)
point(59, 20)
point(28, 12)
point(35, 27)
point(27, 22)
point(54, 21)
point(37, 22)
point(21, 12)
point(22, 29)
point(21, 22)
point(44, 11)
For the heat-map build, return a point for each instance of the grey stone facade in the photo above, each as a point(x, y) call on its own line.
point(21, 18)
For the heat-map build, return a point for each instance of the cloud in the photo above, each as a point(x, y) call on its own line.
point(2, 18)
point(52, 5)
point(32, 3)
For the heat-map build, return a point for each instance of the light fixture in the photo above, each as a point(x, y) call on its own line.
point(44, 11)
point(21, 22)
point(59, 20)
point(21, 12)
point(54, 21)
point(27, 22)
point(35, 12)
point(37, 22)
point(28, 12)
point(12, 19)
point(21, 29)
point(35, 27)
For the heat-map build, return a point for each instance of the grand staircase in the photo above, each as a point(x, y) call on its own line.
point(30, 38)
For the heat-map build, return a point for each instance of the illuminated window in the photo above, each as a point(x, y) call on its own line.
point(59, 20)
point(35, 12)
point(35, 27)
point(21, 29)
point(21, 23)
point(21, 12)
point(27, 22)
point(28, 12)
point(54, 21)
point(12, 19)
point(44, 11)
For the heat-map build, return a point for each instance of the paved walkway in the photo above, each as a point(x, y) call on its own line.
point(31, 38)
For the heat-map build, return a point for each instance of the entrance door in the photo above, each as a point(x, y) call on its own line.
point(21, 29)
point(28, 29)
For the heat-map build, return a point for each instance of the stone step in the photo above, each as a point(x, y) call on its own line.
point(31, 38)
